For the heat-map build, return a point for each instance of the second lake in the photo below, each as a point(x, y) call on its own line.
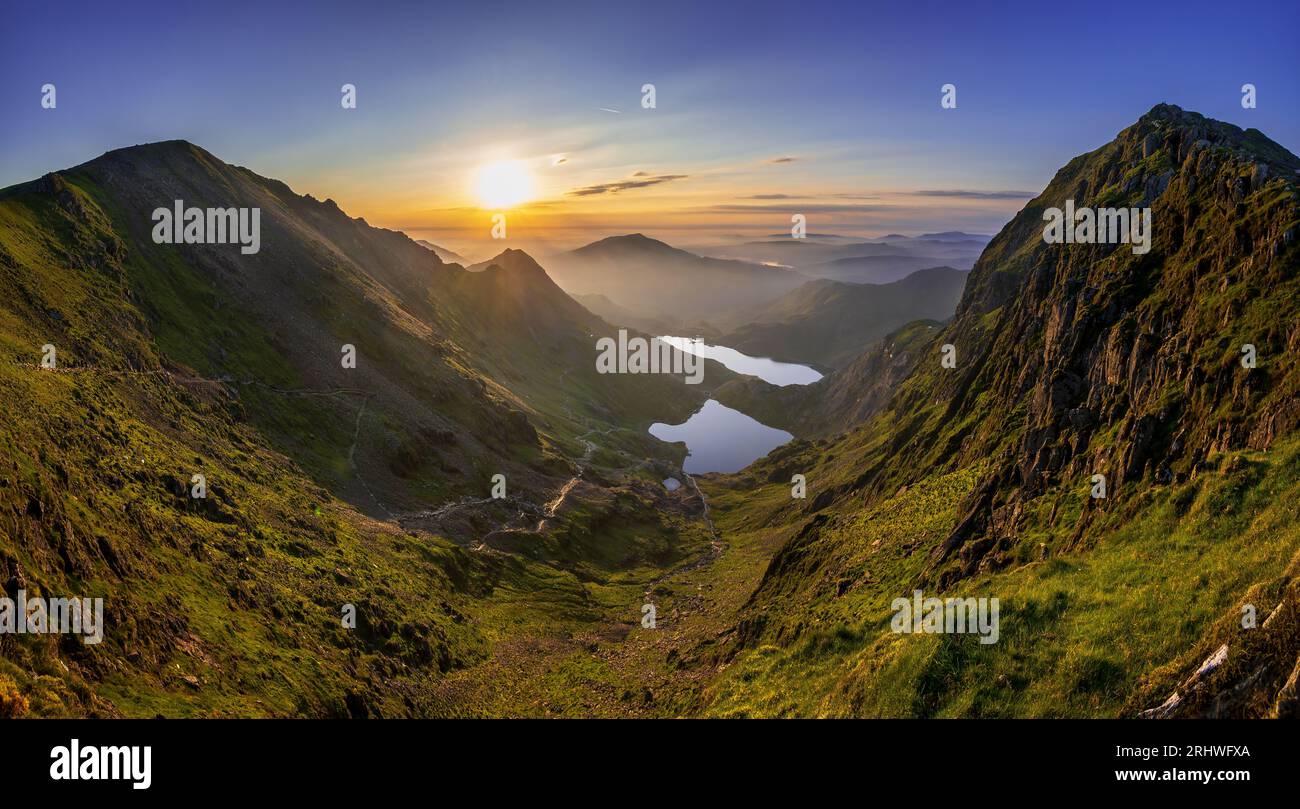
point(719, 438)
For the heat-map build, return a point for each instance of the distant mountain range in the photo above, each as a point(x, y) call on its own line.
point(447, 256)
point(651, 324)
point(875, 261)
point(650, 285)
point(829, 323)
point(880, 269)
point(656, 281)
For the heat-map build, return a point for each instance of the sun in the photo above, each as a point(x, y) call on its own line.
point(503, 184)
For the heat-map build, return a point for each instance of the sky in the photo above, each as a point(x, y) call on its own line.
point(762, 110)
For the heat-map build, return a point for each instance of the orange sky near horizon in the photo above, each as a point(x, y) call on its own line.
point(572, 204)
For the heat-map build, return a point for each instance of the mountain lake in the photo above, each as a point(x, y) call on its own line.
point(719, 438)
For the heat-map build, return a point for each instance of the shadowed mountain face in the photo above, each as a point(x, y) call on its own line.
point(1072, 361)
point(447, 256)
point(611, 312)
point(830, 323)
point(654, 280)
point(841, 400)
point(444, 357)
point(871, 269)
point(176, 361)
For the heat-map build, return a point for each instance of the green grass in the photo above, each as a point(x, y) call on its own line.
point(1100, 632)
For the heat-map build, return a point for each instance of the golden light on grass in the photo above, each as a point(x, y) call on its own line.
point(503, 184)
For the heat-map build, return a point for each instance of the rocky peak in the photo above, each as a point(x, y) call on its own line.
point(1082, 359)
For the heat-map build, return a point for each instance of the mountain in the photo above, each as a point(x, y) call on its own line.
point(871, 269)
point(822, 237)
point(1177, 594)
point(447, 256)
point(842, 399)
point(328, 488)
point(512, 292)
point(829, 323)
point(953, 236)
point(788, 252)
point(1072, 361)
point(882, 260)
point(611, 312)
point(654, 280)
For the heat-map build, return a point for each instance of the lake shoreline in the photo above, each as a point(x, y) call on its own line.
point(722, 439)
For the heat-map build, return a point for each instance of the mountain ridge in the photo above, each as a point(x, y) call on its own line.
point(972, 479)
point(829, 323)
point(1071, 360)
point(325, 485)
point(656, 281)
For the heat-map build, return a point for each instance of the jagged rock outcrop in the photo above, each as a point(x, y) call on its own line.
point(1171, 373)
point(1086, 359)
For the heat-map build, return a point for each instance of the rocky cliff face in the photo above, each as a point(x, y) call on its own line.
point(1073, 361)
point(1103, 361)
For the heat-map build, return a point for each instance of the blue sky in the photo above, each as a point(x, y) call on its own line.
point(850, 91)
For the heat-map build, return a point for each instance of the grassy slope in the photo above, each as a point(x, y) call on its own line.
point(242, 593)
point(229, 605)
point(1101, 631)
point(1104, 607)
point(232, 605)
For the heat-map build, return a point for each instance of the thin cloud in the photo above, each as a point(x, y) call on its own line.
point(977, 194)
point(624, 185)
point(811, 208)
point(783, 160)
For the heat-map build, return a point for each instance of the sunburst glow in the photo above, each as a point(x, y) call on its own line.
point(503, 184)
